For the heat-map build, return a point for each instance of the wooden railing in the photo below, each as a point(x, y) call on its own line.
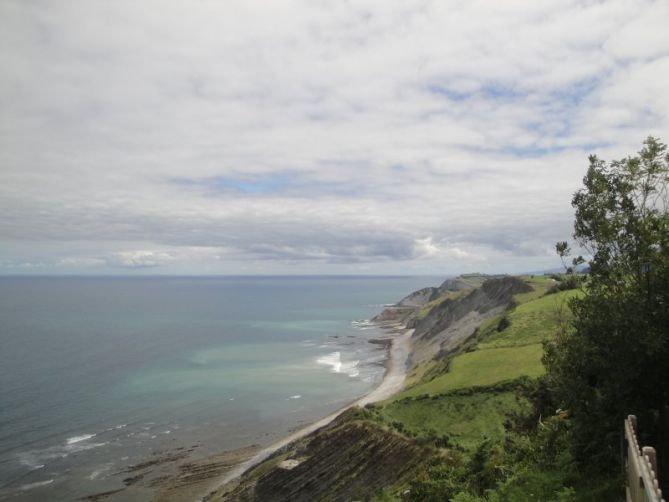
point(642, 485)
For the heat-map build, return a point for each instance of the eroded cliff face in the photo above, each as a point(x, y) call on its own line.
point(406, 308)
point(349, 459)
point(466, 282)
point(453, 321)
point(419, 298)
point(456, 308)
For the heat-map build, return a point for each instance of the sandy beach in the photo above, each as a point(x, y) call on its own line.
point(392, 383)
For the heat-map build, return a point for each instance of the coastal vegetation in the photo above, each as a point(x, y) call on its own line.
point(518, 386)
point(613, 361)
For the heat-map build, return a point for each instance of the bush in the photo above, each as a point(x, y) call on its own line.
point(503, 324)
point(565, 283)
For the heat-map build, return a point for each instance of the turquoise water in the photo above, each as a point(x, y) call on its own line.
point(99, 373)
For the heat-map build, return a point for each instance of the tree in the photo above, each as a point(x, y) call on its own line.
point(615, 359)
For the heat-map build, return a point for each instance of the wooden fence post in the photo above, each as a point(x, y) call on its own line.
point(649, 451)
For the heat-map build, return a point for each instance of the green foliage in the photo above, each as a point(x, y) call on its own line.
point(531, 322)
point(514, 457)
point(457, 419)
point(539, 285)
point(384, 495)
point(439, 482)
point(503, 324)
point(466, 497)
point(563, 250)
point(484, 367)
point(487, 466)
point(565, 282)
point(613, 361)
point(516, 468)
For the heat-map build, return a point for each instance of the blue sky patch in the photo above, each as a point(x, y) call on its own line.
point(281, 184)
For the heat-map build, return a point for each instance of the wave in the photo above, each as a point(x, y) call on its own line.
point(30, 486)
point(30, 462)
point(338, 366)
point(96, 473)
point(116, 427)
point(39, 458)
point(364, 324)
point(78, 439)
point(296, 396)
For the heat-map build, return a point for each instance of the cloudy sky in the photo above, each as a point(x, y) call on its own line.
point(315, 136)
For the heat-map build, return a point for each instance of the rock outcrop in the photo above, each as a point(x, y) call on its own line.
point(466, 281)
point(349, 459)
point(448, 324)
point(419, 298)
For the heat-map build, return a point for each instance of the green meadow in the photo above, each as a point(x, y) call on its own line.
point(465, 419)
point(459, 397)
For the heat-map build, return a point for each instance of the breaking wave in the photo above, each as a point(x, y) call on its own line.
point(338, 366)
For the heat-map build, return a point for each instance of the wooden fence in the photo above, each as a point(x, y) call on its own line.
point(642, 485)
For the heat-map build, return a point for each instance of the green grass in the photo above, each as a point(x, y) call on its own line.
point(465, 419)
point(540, 285)
point(484, 367)
point(532, 322)
point(516, 351)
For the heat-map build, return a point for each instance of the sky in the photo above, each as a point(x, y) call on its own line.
point(316, 136)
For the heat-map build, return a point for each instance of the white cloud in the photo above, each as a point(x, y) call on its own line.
point(294, 134)
point(82, 262)
point(140, 259)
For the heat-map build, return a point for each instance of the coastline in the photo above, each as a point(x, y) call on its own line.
point(393, 381)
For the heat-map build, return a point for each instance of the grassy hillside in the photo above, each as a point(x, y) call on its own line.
point(498, 356)
point(465, 429)
point(476, 401)
point(483, 367)
point(458, 418)
point(532, 322)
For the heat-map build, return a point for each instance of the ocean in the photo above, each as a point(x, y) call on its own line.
point(100, 373)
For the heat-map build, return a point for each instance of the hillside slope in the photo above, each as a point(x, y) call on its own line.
point(476, 351)
point(452, 321)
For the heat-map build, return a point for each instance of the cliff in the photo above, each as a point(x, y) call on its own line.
point(451, 322)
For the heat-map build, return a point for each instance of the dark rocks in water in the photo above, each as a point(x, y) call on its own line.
point(161, 459)
point(97, 497)
point(133, 479)
point(384, 342)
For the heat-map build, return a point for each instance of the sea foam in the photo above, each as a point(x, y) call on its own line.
point(30, 486)
point(78, 439)
point(337, 366)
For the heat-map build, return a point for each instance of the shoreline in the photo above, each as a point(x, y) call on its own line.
point(393, 381)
